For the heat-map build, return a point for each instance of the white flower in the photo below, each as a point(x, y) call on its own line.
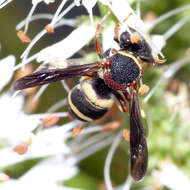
point(68, 46)
point(6, 72)
point(46, 175)
point(52, 142)
point(45, 1)
point(3, 3)
point(15, 124)
point(171, 176)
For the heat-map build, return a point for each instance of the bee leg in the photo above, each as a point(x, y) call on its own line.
point(97, 34)
point(116, 32)
point(123, 106)
point(144, 89)
point(117, 28)
point(159, 61)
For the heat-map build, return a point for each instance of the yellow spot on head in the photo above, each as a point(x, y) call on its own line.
point(134, 38)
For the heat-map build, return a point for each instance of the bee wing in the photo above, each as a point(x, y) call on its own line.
point(63, 64)
point(47, 74)
point(138, 145)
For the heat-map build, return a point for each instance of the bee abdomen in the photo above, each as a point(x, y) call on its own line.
point(90, 100)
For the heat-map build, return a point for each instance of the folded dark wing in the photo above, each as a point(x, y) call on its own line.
point(138, 145)
point(46, 75)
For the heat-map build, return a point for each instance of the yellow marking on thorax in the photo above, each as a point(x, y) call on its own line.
point(132, 57)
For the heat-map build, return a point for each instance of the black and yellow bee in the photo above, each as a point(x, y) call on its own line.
point(114, 76)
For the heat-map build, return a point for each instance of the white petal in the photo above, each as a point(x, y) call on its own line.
point(45, 175)
point(15, 124)
point(51, 170)
point(6, 70)
point(36, 1)
point(159, 41)
point(172, 177)
point(108, 38)
point(68, 46)
point(89, 4)
point(51, 141)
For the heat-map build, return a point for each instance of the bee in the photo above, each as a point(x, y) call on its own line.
point(114, 76)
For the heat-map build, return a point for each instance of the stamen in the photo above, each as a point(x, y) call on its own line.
point(3, 3)
point(93, 149)
point(109, 157)
point(77, 131)
point(35, 56)
point(50, 120)
point(15, 93)
point(43, 32)
point(57, 105)
point(169, 14)
point(66, 87)
point(29, 16)
point(33, 18)
point(111, 126)
point(172, 69)
point(138, 9)
point(49, 29)
point(128, 183)
point(40, 92)
point(175, 28)
point(43, 115)
point(54, 20)
point(87, 142)
point(144, 89)
point(92, 129)
point(35, 39)
point(71, 6)
point(23, 37)
point(28, 60)
point(126, 135)
point(159, 61)
point(21, 148)
point(91, 16)
point(4, 177)
point(70, 22)
point(174, 113)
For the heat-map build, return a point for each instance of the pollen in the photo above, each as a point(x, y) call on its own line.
point(21, 148)
point(144, 89)
point(126, 135)
point(111, 126)
point(159, 61)
point(50, 120)
point(23, 37)
point(4, 177)
point(76, 131)
point(49, 28)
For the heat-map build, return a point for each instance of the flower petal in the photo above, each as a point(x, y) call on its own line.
point(68, 46)
point(6, 70)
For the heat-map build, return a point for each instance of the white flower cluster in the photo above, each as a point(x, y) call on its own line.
point(60, 157)
point(17, 127)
